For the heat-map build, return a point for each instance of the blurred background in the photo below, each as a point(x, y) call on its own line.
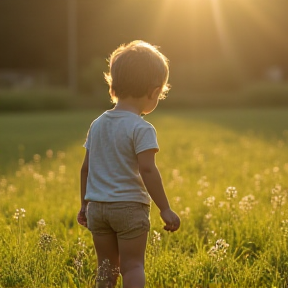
point(222, 53)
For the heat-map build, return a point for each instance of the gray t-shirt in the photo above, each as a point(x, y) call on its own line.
point(114, 140)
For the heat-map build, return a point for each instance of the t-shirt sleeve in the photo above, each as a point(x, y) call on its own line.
point(88, 140)
point(145, 138)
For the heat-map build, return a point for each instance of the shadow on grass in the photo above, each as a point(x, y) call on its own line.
point(26, 134)
point(267, 124)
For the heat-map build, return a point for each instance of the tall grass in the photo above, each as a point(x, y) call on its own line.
point(225, 173)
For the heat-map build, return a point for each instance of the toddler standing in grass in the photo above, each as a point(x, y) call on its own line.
point(119, 175)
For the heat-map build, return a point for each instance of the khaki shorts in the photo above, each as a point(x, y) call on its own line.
point(126, 219)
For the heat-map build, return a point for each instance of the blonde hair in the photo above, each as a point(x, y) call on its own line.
point(136, 69)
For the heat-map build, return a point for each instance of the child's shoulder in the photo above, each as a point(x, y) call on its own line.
point(127, 118)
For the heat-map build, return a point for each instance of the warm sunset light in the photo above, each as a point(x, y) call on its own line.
point(143, 143)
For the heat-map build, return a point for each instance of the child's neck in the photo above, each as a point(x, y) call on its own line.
point(129, 104)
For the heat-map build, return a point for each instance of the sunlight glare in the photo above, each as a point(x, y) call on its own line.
point(226, 45)
point(220, 28)
point(162, 17)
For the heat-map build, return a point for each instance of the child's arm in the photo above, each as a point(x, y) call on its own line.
point(81, 217)
point(153, 182)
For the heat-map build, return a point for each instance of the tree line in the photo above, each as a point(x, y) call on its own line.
point(211, 44)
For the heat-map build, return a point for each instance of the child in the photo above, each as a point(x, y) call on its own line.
point(119, 174)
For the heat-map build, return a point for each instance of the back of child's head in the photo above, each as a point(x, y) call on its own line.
point(136, 69)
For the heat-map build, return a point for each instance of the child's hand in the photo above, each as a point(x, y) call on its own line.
point(171, 220)
point(81, 218)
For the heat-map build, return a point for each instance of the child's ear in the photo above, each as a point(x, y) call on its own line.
point(155, 93)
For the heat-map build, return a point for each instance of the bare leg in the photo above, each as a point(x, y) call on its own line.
point(132, 254)
point(108, 260)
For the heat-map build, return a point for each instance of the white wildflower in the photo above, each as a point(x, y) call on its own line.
point(231, 193)
point(41, 223)
point(219, 251)
point(210, 201)
point(246, 204)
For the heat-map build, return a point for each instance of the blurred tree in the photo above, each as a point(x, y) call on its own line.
point(92, 78)
point(252, 35)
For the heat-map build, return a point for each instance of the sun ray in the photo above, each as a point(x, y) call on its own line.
point(227, 47)
point(162, 17)
point(221, 29)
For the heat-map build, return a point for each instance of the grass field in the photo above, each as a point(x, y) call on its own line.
point(225, 172)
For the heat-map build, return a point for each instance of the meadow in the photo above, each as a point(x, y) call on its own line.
point(225, 173)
